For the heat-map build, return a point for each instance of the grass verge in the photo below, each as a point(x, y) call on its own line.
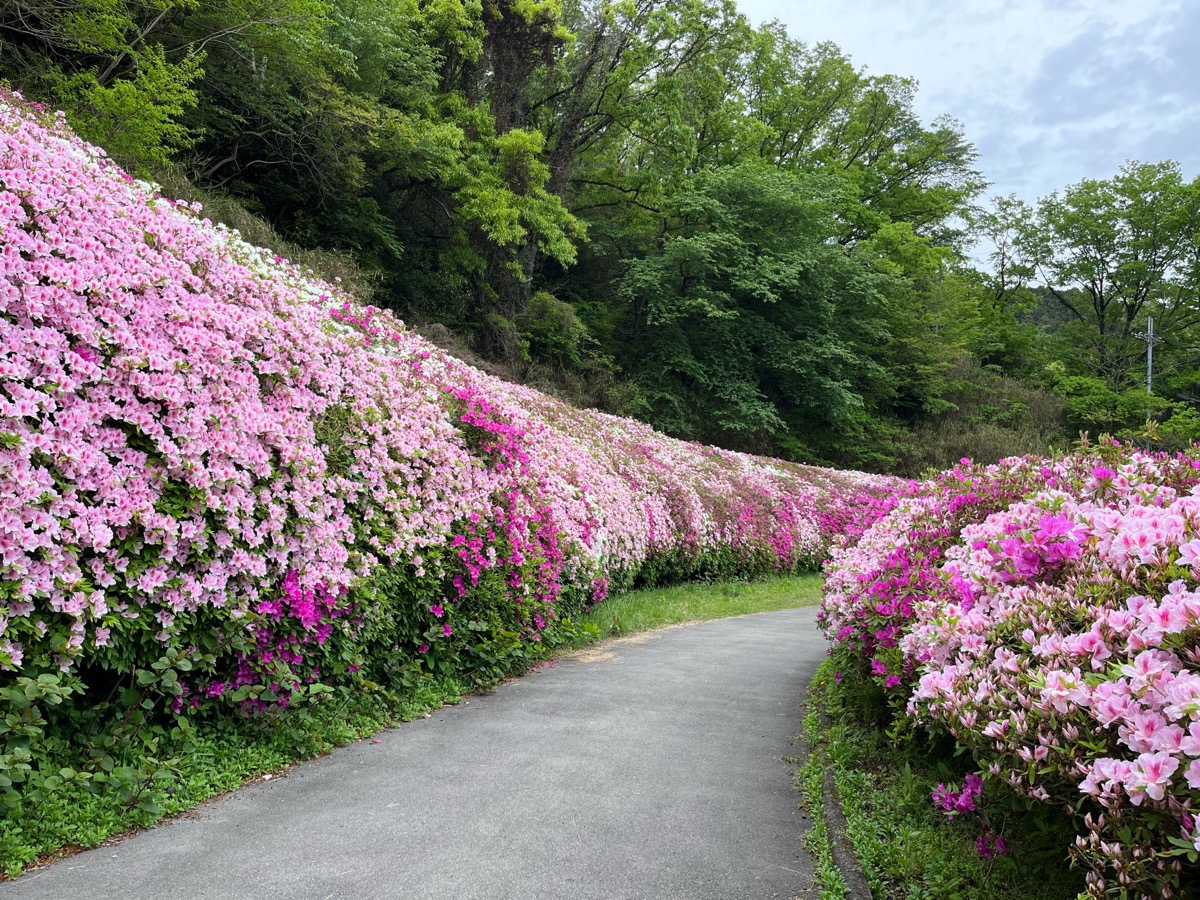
point(657, 607)
point(909, 850)
point(810, 782)
point(220, 756)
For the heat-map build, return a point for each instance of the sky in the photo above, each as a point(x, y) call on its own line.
point(1050, 92)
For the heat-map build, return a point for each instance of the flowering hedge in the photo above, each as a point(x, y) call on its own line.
point(225, 484)
point(1045, 613)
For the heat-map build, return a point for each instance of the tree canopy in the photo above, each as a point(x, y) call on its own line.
point(653, 207)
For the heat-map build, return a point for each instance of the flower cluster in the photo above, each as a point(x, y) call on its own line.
point(1055, 637)
point(207, 451)
point(872, 585)
point(959, 802)
point(965, 801)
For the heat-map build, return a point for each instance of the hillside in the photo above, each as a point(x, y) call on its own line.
point(229, 488)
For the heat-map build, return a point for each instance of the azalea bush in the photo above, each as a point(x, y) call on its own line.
point(228, 489)
point(1052, 631)
point(874, 583)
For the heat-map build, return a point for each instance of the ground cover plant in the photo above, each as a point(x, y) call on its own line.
point(230, 491)
point(907, 846)
point(1042, 614)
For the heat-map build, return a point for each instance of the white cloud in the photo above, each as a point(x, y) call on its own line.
point(1050, 92)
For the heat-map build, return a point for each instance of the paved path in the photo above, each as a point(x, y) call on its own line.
point(649, 768)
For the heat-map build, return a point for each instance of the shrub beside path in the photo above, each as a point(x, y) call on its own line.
point(647, 768)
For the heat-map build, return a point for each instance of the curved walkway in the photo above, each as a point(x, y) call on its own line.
point(647, 768)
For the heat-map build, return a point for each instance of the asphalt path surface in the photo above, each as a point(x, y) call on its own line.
point(651, 767)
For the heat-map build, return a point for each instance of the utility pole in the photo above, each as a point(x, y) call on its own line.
point(1151, 339)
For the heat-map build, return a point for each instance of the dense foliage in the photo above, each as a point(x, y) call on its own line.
point(229, 489)
point(1094, 265)
point(1044, 614)
point(654, 208)
point(915, 832)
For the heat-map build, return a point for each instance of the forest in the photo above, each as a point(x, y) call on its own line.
point(655, 209)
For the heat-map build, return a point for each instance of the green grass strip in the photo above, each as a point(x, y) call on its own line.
point(810, 782)
point(657, 607)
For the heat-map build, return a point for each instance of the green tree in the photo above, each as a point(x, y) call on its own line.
point(747, 326)
point(104, 64)
point(487, 222)
point(815, 111)
point(1112, 253)
point(689, 101)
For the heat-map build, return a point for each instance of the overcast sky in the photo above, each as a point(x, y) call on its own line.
point(1049, 91)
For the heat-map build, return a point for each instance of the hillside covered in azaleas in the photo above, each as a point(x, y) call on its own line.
point(1045, 615)
point(228, 487)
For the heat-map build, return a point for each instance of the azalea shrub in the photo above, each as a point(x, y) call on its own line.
point(1045, 615)
point(227, 488)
